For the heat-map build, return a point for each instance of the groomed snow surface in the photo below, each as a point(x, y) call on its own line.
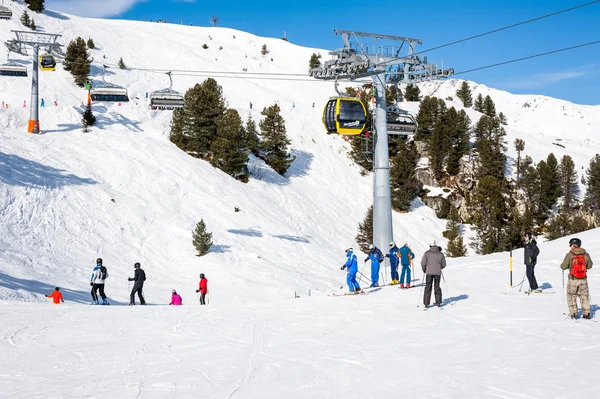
point(123, 192)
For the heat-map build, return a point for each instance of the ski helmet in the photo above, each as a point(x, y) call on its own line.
point(434, 244)
point(57, 289)
point(349, 249)
point(575, 241)
point(371, 247)
point(174, 292)
point(137, 265)
point(201, 275)
point(528, 234)
point(392, 244)
point(99, 261)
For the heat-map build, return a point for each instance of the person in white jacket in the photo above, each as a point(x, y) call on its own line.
point(99, 275)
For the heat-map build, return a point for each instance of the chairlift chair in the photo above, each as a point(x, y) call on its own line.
point(47, 62)
point(12, 69)
point(5, 12)
point(166, 99)
point(109, 92)
point(400, 122)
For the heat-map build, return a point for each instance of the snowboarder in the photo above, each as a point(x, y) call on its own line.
point(376, 257)
point(432, 264)
point(394, 256)
point(406, 257)
point(42, 103)
point(99, 275)
point(578, 262)
point(202, 289)
point(352, 268)
point(531, 253)
point(139, 278)
point(176, 299)
point(56, 296)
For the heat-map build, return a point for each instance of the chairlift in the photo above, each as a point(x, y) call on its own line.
point(47, 62)
point(166, 99)
point(12, 69)
point(399, 121)
point(5, 12)
point(109, 92)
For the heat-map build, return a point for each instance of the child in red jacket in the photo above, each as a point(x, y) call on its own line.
point(203, 289)
point(56, 296)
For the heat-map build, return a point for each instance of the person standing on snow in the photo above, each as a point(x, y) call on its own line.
point(202, 289)
point(43, 103)
point(531, 253)
point(578, 262)
point(176, 299)
point(432, 264)
point(139, 277)
point(394, 256)
point(406, 257)
point(352, 268)
point(99, 275)
point(56, 296)
point(376, 257)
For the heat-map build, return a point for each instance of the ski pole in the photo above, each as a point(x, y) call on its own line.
point(523, 280)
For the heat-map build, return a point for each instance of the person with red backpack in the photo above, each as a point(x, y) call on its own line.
point(578, 262)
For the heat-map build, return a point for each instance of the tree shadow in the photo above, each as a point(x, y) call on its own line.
point(64, 127)
point(17, 171)
point(115, 118)
point(455, 299)
point(292, 238)
point(37, 287)
point(219, 248)
point(301, 165)
point(248, 232)
point(57, 15)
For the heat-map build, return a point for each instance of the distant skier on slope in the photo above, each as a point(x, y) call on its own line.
point(202, 288)
point(578, 262)
point(432, 264)
point(376, 257)
point(99, 275)
point(56, 296)
point(406, 256)
point(176, 299)
point(352, 268)
point(531, 253)
point(394, 256)
point(139, 278)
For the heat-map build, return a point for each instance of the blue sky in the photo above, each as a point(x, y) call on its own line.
point(569, 75)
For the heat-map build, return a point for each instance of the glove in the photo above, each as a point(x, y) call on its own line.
point(197, 291)
point(366, 259)
point(129, 279)
point(343, 267)
point(91, 284)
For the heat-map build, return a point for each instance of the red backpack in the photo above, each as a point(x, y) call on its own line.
point(578, 266)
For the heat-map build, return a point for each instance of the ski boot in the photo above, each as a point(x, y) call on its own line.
point(587, 316)
point(95, 303)
point(132, 304)
point(574, 316)
point(105, 302)
point(407, 285)
point(401, 285)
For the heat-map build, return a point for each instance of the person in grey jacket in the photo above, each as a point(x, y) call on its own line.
point(432, 264)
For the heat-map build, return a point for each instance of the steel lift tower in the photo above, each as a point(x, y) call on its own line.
point(384, 64)
point(19, 45)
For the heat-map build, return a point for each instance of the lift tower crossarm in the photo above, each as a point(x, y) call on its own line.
point(376, 36)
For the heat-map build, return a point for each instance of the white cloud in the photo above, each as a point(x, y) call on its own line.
point(542, 80)
point(92, 8)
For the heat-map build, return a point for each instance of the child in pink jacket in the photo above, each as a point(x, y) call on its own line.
point(176, 299)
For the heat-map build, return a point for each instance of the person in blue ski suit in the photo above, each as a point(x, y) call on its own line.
point(376, 257)
point(394, 256)
point(352, 267)
point(405, 257)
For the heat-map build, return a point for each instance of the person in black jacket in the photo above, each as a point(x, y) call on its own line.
point(139, 278)
point(531, 253)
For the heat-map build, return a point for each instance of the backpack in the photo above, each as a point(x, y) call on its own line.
point(103, 273)
point(578, 266)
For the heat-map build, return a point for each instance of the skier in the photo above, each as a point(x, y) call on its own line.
point(578, 262)
point(352, 266)
point(406, 257)
point(394, 256)
point(176, 299)
point(56, 296)
point(99, 275)
point(432, 264)
point(42, 103)
point(376, 257)
point(202, 289)
point(139, 278)
point(250, 105)
point(531, 253)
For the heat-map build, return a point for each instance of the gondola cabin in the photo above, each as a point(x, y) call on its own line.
point(344, 116)
point(47, 62)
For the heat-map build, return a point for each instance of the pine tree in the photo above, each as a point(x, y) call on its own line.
point(458, 141)
point(194, 127)
point(404, 185)
point(90, 44)
point(465, 95)
point(25, 19)
point(88, 116)
point(264, 50)
point(32, 25)
point(251, 140)
point(489, 108)
point(77, 61)
point(478, 105)
point(554, 174)
point(391, 95)
point(122, 64)
point(502, 119)
point(364, 238)
point(519, 147)
point(568, 181)
point(592, 195)
point(274, 145)
point(490, 216)
point(412, 93)
point(314, 61)
point(201, 239)
point(36, 5)
point(430, 113)
point(491, 147)
point(456, 247)
point(229, 148)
